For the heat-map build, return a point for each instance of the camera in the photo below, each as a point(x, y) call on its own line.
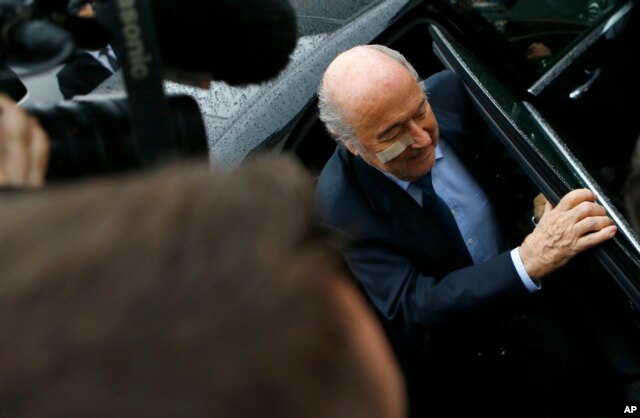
point(93, 137)
point(96, 136)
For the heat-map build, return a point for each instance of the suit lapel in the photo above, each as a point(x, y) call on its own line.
point(411, 224)
point(90, 68)
point(85, 59)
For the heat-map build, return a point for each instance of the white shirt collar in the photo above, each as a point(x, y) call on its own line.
point(96, 53)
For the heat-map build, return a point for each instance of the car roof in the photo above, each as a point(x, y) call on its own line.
point(241, 119)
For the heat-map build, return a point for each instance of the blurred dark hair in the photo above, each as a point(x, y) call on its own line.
point(182, 292)
point(74, 6)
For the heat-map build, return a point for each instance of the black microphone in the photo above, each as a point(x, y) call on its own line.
point(236, 41)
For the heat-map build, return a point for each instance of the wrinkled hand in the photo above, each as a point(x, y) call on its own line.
point(574, 225)
point(24, 147)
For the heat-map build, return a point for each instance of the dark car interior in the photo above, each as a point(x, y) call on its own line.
point(589, 303)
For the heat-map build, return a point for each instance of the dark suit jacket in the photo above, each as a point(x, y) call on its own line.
point(81, 75)
point(424, 290)
point(407, 266)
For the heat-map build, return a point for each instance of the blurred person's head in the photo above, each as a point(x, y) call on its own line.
point(81, 8)
point(185, 292)
point(370, 100)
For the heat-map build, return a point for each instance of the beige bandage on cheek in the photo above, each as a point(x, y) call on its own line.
point(395, 149)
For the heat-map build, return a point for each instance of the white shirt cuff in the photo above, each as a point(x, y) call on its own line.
point(524, 276)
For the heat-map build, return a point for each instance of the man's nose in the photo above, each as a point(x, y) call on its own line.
point(421, 137)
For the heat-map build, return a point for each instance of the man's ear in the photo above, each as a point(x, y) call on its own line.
point(352, 148)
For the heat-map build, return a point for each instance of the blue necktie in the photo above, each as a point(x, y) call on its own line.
point(439, 211)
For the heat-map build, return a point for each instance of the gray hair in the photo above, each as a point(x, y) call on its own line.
point(333, 117)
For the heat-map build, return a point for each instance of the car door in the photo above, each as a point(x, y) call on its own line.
point(562, 118)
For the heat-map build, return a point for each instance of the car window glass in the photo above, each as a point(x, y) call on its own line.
point(583, 80)
point(241, 120)
point(541, 31)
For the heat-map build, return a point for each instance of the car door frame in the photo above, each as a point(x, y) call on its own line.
point(539, 149)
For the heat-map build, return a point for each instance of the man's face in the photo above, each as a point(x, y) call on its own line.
point(388, 113)
point(86, 10)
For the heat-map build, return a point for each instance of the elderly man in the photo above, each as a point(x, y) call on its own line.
point(415, 190)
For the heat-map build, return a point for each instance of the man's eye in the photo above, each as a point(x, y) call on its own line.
point(391, 135)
